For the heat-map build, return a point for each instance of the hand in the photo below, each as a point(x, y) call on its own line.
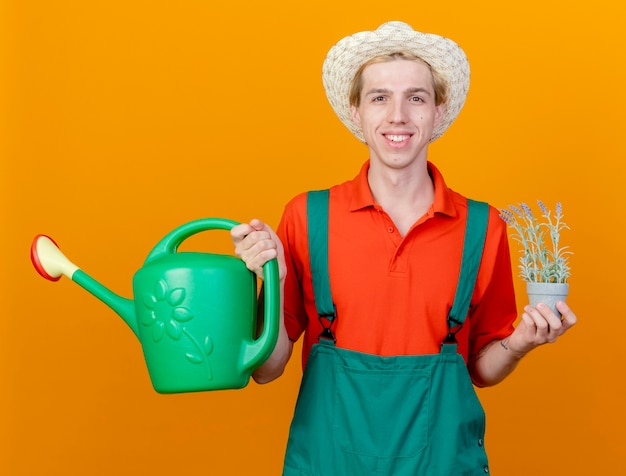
point(539, 325)
point(256, 244)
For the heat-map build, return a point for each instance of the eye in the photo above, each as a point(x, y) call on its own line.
point(378, 99)
point(416, 99)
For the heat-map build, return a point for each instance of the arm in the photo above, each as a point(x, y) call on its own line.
point(538, 326)
point(256, 243)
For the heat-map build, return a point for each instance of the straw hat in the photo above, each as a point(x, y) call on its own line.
point(347, 56)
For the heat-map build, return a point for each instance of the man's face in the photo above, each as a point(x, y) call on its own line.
point(397, 112)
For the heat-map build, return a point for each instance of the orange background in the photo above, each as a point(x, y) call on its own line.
point(123, 119)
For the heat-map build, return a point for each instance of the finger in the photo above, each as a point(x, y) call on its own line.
point(554, 321)
point(549, 326)
point(538, 320)
point(569, 318)
point(256, 249)
point(239, 232)
point(528, 321)
point(258, 260)
point(255, 237)
point(258, 224)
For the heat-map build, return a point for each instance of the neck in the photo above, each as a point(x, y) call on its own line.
point(404, 194)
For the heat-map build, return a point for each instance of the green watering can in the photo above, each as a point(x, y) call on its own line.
point(194, 313)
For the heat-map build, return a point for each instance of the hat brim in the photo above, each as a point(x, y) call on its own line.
point(348, 55)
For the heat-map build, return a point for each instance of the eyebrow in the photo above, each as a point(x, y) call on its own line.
point(418, 90)
point(406, 91)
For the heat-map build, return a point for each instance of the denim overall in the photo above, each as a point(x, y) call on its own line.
point(360, 414)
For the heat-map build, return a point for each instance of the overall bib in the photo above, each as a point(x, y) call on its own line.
point(360, 414)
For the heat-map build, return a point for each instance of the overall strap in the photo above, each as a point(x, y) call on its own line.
point(317, 225)
point(473, 244)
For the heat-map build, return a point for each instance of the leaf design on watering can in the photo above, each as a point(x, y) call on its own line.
point(182, 314)
point(158, 331)
point(149, 300)
point(176, 296)
point(195, 358)
point(174, 329)
point(208, 345)
point(148, 318)
point(160, 290)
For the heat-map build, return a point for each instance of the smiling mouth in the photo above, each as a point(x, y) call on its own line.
point(397, 138)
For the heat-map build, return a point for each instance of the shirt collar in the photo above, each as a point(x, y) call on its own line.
point(362, 195)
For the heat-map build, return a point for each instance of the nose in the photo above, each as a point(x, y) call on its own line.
point(397, 112)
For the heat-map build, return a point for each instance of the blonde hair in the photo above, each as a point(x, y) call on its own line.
point(439, 83)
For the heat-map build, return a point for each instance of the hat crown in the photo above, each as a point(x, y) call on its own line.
point(395, 25)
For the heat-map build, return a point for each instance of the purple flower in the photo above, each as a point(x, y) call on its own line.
point(543, 207)
point(507, 216)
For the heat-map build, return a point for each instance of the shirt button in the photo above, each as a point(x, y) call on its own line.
point(486, 469)
point(390, 229)
point(480, 442)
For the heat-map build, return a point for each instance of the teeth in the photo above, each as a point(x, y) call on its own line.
point(397, 138)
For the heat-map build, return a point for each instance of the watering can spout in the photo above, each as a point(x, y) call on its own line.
point(51, 263)
point(125, 308)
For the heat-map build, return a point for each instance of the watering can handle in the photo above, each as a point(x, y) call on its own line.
point(170, 243)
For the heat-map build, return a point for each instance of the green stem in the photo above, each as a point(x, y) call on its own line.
point(201, 353)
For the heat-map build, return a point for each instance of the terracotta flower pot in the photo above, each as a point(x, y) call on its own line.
point(547, 293)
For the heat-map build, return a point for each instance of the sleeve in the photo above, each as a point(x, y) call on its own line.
point(494, 312)
point(292, 232)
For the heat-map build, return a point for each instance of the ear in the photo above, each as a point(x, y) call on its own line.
point(356, 117)
point(438, 114)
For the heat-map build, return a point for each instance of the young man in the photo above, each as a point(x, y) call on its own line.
point(401, 286)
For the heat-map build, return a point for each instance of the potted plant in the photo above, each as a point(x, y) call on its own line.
point(544, 261)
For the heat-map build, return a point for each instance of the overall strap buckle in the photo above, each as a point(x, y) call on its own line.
point(452, 332)
point(450, 344)
point(327, 333)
